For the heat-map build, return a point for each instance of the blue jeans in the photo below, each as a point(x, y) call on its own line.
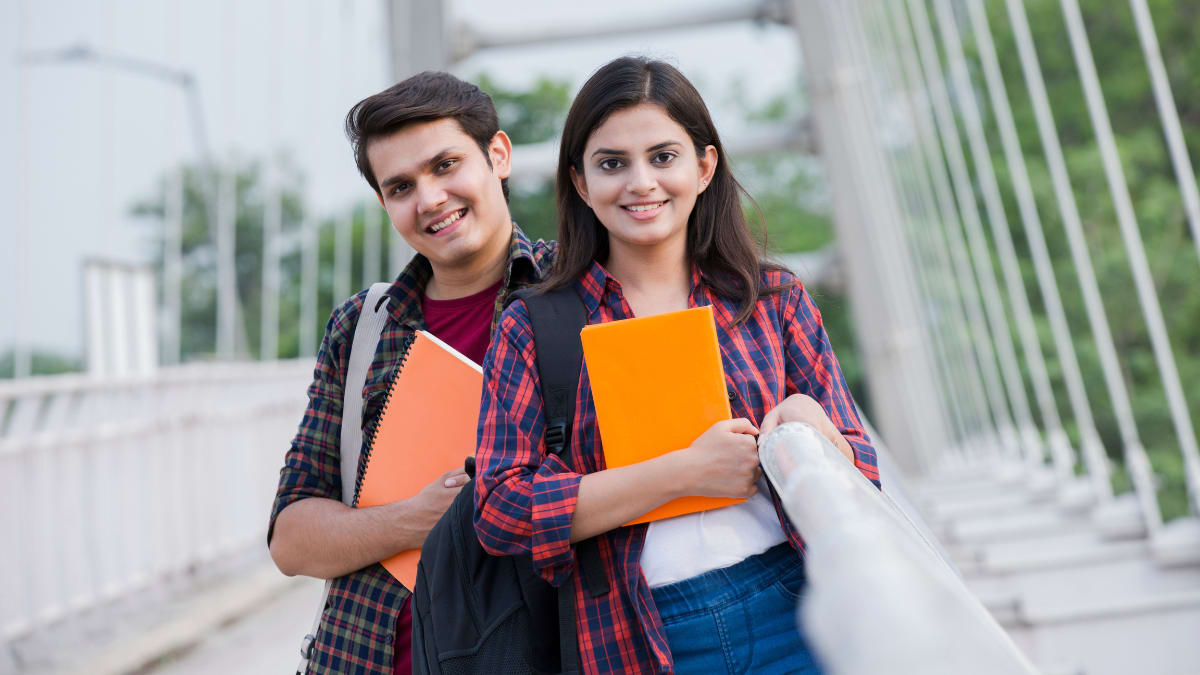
point(739, 619)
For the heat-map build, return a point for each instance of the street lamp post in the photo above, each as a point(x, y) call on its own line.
point(228, 306)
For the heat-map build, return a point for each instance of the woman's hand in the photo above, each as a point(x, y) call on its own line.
point(722, 462)
point(803, 408)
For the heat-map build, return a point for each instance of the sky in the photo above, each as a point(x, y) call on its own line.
point(80, 143)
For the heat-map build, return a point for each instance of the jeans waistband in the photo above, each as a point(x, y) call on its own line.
point(720, 585)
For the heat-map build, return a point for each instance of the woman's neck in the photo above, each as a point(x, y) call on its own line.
point(654, 281)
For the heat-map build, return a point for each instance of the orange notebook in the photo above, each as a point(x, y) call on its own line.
point(658, 384)
point(427, 427)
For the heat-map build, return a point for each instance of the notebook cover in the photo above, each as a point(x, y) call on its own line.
point(427, 427)
point(658, 385)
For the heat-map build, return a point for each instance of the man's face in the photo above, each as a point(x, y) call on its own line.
point(439, 191)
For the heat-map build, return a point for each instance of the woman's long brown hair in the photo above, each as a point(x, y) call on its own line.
point(718, 240)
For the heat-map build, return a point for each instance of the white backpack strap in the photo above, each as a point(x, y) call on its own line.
point(362, 352)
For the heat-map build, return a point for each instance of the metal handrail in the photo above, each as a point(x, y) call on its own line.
point(881, 597)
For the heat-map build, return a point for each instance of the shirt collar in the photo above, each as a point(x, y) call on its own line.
point(406, 291)
point(596, 282)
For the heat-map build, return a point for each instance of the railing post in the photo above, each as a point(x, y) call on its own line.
point(865, 211)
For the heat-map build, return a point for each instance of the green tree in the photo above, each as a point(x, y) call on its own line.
point(1156, 199)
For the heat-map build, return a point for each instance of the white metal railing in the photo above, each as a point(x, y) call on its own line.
point(881, 598)
point(109, 486)
point(911, 71)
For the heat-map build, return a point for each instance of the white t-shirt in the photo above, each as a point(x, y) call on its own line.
point(686, 546)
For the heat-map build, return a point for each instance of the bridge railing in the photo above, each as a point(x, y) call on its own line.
point(112, 486)
point(881, 596)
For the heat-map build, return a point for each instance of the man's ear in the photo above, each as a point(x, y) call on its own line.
point(500, 154)
point(580, 185)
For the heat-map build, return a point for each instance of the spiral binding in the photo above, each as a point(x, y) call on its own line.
point(405, 346)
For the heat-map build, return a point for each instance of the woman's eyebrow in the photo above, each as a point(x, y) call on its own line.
point(608, 151)
point(662, 146)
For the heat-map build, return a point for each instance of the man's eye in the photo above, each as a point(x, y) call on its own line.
point(399, 188)
point(663, 157)
point(446, 165)
point(610, 164)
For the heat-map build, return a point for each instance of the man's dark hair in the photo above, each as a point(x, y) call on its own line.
point(425, 97)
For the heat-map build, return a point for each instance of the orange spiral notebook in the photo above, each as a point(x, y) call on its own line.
point(426, 428)
point(658, 385)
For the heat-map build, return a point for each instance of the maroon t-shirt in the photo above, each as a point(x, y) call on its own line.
point(466, 325)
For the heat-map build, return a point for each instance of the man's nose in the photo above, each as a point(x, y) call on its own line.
point(430, 197)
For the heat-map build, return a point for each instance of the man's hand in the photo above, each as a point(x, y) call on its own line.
point(802, 408)
point(324, 538)
point(431, 502)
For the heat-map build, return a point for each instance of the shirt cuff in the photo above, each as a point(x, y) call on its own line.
point(555, 493)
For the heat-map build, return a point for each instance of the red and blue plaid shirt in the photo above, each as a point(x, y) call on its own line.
point(358, 624)
point(525, 499)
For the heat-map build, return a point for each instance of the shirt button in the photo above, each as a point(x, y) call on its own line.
point(731, 394)
point(389, 639)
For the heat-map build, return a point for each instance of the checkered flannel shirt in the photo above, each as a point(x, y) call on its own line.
point(358, 624)
point(525, 499)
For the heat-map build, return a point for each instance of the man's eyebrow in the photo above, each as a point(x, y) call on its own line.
point(440, 157)
point(431, 162)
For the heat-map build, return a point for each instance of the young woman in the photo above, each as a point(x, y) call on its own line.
point(650, 221)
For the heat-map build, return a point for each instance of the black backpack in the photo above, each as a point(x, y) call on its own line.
point(478, 613)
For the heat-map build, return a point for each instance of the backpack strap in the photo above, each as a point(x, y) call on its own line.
point(367, 332)
point(557, 317)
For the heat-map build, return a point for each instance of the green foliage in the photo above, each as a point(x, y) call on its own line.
point(199, 292)
point(529, 116)
point(41, 362)
point(1157, 202)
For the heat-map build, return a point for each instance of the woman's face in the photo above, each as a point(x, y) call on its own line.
point(641, 176)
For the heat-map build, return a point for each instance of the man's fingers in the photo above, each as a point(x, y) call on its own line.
point(454, 478)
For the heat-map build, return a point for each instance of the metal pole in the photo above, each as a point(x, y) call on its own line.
point(343, 244)
point(226, 284)
point(372, 240)
point(1170, 117)
point(308, 285)
point(1030, 445)
point(173, 266)
point(1142, 279)
point(1135, 455)
point(272, 225)
point(1093, 451)
point(946, 237)
point(913, 211)
point(864, 206)
point(1060, 449)
point(22, 356)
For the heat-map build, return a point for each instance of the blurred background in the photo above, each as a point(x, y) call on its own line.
point(992, 202)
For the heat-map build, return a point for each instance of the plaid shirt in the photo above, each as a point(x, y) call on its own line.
point(525, 499)
point(359, 620)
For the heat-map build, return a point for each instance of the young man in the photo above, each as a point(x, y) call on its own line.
point(431, 148)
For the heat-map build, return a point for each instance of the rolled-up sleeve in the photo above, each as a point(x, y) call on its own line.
point(312, 465)
point(813, 369)
point(524, 499)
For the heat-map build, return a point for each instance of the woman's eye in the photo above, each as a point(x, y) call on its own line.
point(610, 164)
point(663, 157)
